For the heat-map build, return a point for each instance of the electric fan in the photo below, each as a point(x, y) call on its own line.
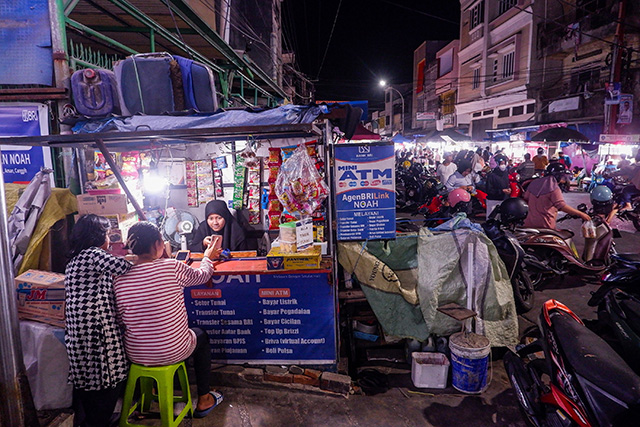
point(177, 225)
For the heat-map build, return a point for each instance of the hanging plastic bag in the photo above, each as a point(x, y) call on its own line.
point(588, 230)
point(299, 186)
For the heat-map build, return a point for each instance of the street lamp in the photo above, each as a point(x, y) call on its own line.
point(386, 87)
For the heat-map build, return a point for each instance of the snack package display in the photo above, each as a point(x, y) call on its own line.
point(299, 186)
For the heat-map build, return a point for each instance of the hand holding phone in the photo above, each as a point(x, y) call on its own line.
point(214, 249)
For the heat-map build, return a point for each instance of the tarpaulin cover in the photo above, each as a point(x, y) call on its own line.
point(60, 204)
point(25, 37)
point(285, 115)
point(409, 278)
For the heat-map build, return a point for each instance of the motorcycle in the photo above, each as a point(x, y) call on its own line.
point(618, 304)
point(512, 255)
point(632, 214)
point(552, 252)
point(514, 184)
point(580, 381)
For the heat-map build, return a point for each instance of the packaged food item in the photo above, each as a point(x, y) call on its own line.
point(274, 157)
point(287, 152)
point(299, 187)
point(288, 232)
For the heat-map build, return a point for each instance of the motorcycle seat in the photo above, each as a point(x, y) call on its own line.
point(592, 358)
point(633, 259)
point(563, 234)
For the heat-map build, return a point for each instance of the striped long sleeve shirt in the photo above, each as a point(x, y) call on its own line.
point(150, 304)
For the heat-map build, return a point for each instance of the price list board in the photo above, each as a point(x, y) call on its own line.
point(266, 318)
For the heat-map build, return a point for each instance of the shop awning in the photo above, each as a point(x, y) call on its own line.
point(560, 134)
point(446, 135)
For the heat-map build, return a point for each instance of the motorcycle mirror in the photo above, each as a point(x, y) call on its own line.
point(582, 207)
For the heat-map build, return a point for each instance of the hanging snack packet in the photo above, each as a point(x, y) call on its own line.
point(299, 187)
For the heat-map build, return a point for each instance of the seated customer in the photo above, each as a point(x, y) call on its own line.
point(150, 305)
point(219, 221)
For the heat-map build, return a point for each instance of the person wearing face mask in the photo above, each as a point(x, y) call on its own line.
point(219, 221)
point(497, 185)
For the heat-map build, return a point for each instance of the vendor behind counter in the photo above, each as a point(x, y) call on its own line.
point(219, 221)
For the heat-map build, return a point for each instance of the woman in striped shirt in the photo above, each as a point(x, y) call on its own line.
point(150, 305)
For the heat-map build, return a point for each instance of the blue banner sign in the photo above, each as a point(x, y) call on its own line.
point(365, 191)
point(21, 163)
point(267, 318)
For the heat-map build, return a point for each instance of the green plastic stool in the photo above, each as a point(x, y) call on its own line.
point(163, 376)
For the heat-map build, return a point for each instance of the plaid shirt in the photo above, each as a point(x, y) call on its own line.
point(97, 359)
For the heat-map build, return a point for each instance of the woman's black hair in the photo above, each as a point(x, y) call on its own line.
point(90, 230)
point(463, 165)
point(142, 236)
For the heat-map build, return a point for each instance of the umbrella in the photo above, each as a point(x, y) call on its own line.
point(25, 214)
point(560, 134)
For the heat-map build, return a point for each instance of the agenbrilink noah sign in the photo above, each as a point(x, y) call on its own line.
point(365, 191)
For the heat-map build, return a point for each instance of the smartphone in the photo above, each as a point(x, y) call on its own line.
point(183, 256)
point(216, 241)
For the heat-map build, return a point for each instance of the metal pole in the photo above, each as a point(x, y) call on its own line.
point(616, 65)
point(16, 404)
point(116, 171)
point(402, 114)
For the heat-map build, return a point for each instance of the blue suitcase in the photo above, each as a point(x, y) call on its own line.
point(95, 93)
point(149, 84)
point(198, 84)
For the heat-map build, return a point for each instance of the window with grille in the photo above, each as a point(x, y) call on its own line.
point(508, 62)
point(506, 5)
point(495, 70)
point(475, 83)
point(476, 15)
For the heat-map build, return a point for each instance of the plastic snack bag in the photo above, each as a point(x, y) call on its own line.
point(588, 230)
point(299, 186)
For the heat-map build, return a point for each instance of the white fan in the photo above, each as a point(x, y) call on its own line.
point(177, 225)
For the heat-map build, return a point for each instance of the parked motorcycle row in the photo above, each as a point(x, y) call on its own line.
point(564, 373)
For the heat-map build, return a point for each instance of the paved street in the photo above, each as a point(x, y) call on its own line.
point(403, 404)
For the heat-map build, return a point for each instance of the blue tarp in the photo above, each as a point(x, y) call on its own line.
point(285, 115)
point(25, 37)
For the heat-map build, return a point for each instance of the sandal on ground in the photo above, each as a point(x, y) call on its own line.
point(217, 396)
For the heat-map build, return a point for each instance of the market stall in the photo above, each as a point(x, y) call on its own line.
point(167, 173)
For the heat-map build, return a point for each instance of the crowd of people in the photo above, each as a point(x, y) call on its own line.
point(493, 174)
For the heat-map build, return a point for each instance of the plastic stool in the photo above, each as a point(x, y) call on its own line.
point(163, 376)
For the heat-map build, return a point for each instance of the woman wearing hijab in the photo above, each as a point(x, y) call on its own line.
point(219, 221)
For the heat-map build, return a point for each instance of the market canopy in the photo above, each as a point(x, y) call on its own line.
point(364, 134)
point(446, 135)
point(560, 134)
point(399, 139)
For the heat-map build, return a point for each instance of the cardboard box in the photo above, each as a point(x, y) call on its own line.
point(309, 259)
point(103, 204)
point(42, 319)
point(40, 293)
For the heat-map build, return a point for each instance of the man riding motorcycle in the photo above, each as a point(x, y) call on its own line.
point(545, 199)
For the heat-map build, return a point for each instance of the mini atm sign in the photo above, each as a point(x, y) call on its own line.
point(365, 191)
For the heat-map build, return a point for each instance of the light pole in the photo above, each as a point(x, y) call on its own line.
point(386, 87)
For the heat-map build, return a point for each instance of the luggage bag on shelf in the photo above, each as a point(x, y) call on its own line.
point(149, 84)
point(95, 92)
point(198, 84)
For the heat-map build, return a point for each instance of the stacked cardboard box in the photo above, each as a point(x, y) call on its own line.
point(40, 296)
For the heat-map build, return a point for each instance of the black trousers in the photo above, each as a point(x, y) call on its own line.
point(202, 361)
point(95, 408)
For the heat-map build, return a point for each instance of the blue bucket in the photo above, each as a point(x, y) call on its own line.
point(469, 362)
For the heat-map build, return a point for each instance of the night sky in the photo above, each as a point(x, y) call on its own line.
point(372, 40)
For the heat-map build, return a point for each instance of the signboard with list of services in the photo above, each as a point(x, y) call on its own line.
point(266, 318)
point(365, 191)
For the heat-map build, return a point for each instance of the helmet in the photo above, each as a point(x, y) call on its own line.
point(601, 199)
point(513, 210)
point(601, 193)
point(458, 195)
point(556, 168)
